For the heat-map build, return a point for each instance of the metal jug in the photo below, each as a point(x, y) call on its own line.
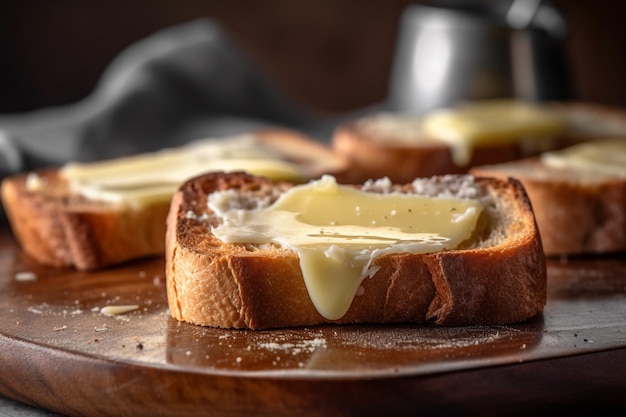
point(468, 50)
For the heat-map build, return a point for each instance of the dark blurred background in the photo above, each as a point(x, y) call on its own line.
point(332, 56)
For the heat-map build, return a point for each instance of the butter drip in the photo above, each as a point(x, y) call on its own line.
point(607, 156)
point(339, 231)
point(155, 176)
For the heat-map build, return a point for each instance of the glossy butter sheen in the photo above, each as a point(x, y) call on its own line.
point(338, 231)
point(491, 122)
point(598, 156)
point(154, 177)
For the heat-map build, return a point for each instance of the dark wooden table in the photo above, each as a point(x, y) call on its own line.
point(60, 353)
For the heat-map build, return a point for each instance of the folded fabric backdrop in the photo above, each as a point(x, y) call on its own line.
point(182, 83)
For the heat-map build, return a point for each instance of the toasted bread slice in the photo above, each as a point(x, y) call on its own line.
point(61, 227)
point(578, 211)
point(397, 145)
point(497, 276)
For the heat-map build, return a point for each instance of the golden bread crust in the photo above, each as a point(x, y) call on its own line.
point(243, 286)
point(577, 213)
point(371, 158)
point(370, 155)
point(60, 229)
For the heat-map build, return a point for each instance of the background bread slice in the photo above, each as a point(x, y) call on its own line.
point(498, 276)
point(372, 154)
point(577, 212)
point(60, 228)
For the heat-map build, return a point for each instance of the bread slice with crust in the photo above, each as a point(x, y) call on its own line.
point(58, 226)
point(397, 146)
point(577, 211)
point(497, 276)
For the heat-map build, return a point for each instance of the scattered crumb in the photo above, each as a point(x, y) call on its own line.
point(114, 310)
point(305, 345)
point(59, 329)
point(35, 310)
point(25, 276)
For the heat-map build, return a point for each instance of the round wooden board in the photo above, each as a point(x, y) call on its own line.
point(60, 352)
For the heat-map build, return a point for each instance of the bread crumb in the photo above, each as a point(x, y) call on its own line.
point(25, 276)
point(34, 310)
point(114, 310)
point(157, 280)
point(295, 348)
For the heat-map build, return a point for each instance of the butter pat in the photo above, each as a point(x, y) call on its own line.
point(155, 176)
point(118, 310)
point(491, 122)
point(598, 156)
point(338, 231)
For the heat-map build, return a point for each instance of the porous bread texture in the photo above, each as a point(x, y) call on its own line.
point(577, 212)
point(498, 276)
point(59, 228)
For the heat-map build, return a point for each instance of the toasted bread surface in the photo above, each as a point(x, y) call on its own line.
point(372, 154)
point(498, 276)
point(57, 227)
point(371, 157)
point(577, 212)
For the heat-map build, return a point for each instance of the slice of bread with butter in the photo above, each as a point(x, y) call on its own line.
point(93, 215)
point(245, 252)
point(578, 195)
point(452, 140)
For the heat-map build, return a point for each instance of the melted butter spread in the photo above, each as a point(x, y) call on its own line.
point(154, 177)
point(486, 122)
point(491, 122)
point(338, 231)
point(600, 156)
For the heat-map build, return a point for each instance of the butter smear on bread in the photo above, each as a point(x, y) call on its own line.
point(598, 156)
point(477, 123)
point(491, 122)
point(338, 231)
point(154, 177)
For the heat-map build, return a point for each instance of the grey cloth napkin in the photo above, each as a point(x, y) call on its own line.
point(180, 84)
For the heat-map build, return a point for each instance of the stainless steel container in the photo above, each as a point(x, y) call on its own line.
point(454, 51)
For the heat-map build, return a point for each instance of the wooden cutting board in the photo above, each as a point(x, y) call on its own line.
point(60, 352)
